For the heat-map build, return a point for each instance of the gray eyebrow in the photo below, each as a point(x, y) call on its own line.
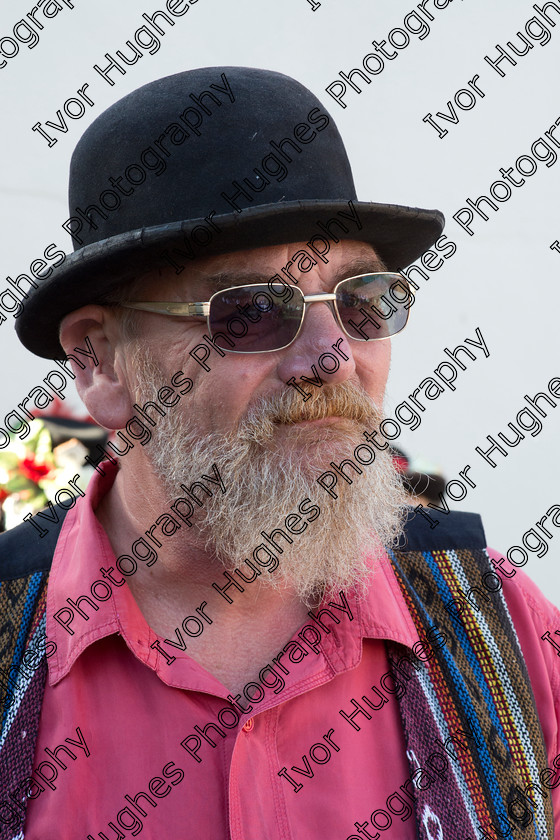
point(224, 279)
point(360, 265)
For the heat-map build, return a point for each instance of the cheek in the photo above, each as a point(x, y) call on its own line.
point(372, 366)
point(221, 396)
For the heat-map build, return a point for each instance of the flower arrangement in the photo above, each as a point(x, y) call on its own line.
point(32, 469)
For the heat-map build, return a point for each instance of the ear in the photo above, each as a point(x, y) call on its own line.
point(91, 339)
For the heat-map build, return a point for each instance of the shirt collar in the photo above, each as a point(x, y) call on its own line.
point(83, 550)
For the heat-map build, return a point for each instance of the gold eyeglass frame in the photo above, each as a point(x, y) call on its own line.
point(202, 308)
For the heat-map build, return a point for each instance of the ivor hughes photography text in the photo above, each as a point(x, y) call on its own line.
point(278, 424)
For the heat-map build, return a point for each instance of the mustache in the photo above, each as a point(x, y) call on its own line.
point(345, 399)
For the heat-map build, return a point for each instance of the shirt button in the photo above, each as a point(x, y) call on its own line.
point(248, 725)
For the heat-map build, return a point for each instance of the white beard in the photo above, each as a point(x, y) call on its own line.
point(266, 480)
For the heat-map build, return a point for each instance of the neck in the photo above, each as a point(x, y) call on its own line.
point(175, 581)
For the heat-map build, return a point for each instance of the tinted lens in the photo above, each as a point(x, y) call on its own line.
point(373, 305)
point(254, 318)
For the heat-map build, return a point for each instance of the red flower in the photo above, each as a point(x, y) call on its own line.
point(31, 469)
point(400, 463)
point(3, 495)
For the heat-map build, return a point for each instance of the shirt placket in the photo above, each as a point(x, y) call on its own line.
point(256, 746)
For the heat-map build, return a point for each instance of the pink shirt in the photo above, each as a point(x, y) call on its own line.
point(120, 712)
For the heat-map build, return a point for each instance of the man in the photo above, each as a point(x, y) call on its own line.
point(228, 610)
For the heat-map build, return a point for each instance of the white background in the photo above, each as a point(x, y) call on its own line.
point(503, 280)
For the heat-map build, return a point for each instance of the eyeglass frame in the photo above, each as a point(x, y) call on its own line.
point(202, 308)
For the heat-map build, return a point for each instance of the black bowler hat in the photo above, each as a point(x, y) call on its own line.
point(199, 163)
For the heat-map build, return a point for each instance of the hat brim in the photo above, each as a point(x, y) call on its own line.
point(399, 235)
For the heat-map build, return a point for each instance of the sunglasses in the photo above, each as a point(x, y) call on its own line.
point(256, 319)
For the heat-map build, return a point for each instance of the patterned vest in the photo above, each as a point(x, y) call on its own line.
point(474, 741)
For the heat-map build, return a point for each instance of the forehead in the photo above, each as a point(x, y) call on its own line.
point(344, 259)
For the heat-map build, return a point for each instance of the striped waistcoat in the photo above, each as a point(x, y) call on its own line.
point(470, 703)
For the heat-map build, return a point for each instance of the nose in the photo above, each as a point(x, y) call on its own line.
point(321, 343)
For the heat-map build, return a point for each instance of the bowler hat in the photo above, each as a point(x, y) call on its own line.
point(199, 163)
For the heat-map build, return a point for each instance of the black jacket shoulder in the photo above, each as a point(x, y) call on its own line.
point(24, 551)
point(454, 530)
